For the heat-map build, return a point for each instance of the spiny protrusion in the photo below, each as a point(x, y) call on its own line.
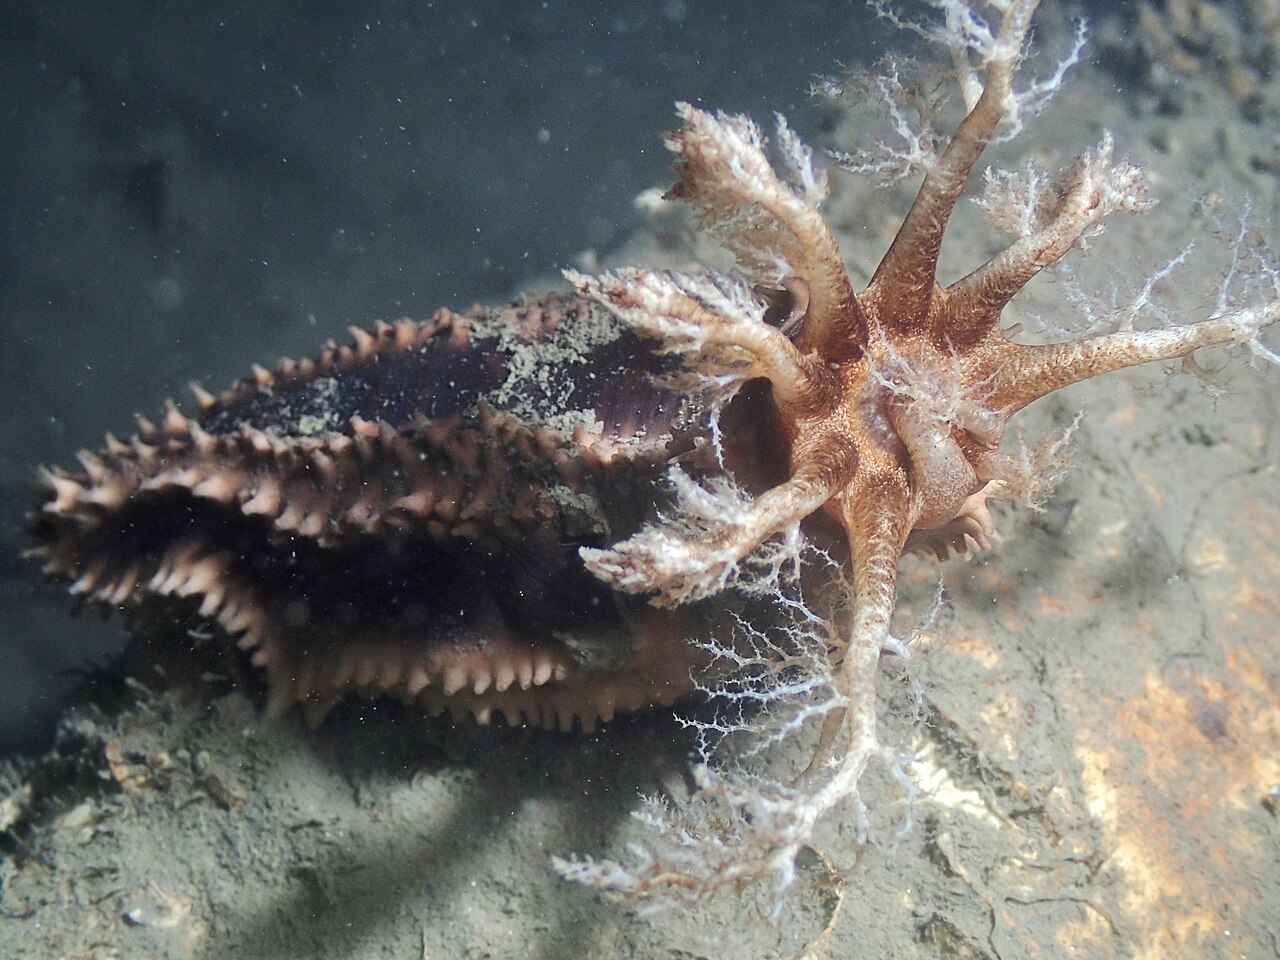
point(223, 486)
point(364, 340)
point(66, 490)
point(406, 334)
point(175, 424)
point(363, 428)
point(184, 488)
point(90, 578)
point(206, 444)
point(146, 453)
point(109, 495)
point(117, 447)
point(205, 400)
point(267, 497)
point(124, 587)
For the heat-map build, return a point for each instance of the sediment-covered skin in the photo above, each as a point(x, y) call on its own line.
point(403, 516)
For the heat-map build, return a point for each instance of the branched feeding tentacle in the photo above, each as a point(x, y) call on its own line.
point(1030, 372)
point(699, 554)
point(742, 827)
point(769, 684)
point(1093, 188)
point(910, 113)
point(907, 272)
point(716, 322)
point(773, 226)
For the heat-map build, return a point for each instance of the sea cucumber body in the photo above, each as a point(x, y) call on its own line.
point(402, 516)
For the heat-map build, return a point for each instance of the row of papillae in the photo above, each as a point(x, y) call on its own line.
point(462, 481)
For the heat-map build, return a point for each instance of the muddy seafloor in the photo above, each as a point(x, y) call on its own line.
point(1100, 768)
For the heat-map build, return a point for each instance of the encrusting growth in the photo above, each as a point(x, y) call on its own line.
point(891, 402)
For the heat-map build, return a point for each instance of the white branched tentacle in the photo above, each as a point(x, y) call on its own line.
point(725, 171)
point(771, 223)
point(714, 320)
point(1019, 202)
point(806, 182)
point(1030, 473)
point(1253, 276)
point(984, 55)
point(1048, 222)
point(1144, 300)
point(740, 827)
point(771, 684)
point(910, 265)
point(944, 395)
point(1045, 369)
point(700, 551)
point(890, 163)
